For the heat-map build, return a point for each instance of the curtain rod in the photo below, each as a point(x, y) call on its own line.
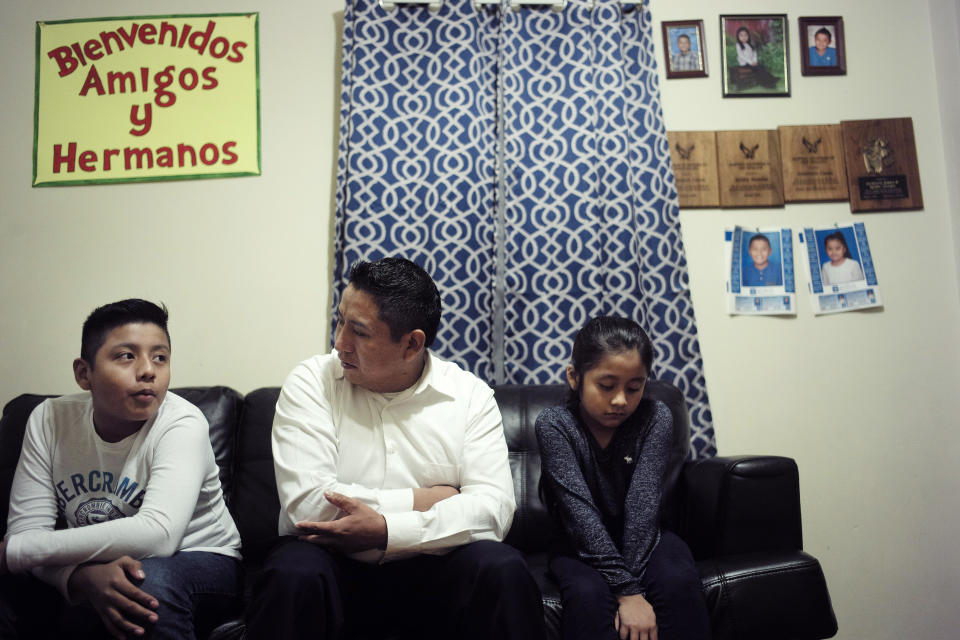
point(516, 5)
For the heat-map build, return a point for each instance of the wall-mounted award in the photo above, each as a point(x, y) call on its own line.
point(813, 163)
point(748, 163)
point(694, 158)
point(881, 159)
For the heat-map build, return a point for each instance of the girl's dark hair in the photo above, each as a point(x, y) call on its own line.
point(838, 235)
point(105, 319)
point(603, 336)
point(740, 44)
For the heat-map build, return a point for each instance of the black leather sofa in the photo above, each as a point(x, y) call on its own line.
point(740, 516)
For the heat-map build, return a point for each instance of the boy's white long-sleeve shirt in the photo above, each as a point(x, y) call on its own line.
point(332, 435)
point(153, 493)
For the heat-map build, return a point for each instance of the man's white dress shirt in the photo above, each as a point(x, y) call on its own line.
point(332, 435)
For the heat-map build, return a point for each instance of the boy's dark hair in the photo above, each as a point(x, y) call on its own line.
point(406, 295)
point(759, 236)
point(825, 32)
point(105, 319)
point(683, 35)
point(838, 235)
point(603, 336)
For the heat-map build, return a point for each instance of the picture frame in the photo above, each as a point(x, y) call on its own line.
point(756, 58)
point(822, 46)
point(684, 49)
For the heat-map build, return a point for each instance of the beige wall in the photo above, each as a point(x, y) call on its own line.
point(865, 402)
point(242, 263)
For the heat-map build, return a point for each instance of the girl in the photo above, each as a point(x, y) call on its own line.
point(604, 457)
point(750, 68)
point(841, 267)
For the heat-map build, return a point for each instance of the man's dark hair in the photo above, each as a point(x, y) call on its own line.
point(825, 32)
point(105, 319)
point(406, 295)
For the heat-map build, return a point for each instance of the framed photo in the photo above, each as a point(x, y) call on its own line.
point(822, 50)
point(755, 57)
point(684, 50)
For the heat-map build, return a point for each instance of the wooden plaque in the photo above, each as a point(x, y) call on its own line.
point(882, 170)
point(694, 158)
point(813, 165)
point(748, 163)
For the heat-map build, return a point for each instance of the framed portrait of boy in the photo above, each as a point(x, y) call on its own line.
point(755, 55)
point(822, 48)
point(683, 48)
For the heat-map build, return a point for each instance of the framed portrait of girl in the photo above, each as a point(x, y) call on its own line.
point(755, 58)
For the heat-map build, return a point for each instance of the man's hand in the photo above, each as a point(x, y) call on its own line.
point(359, 529)
point(121, 605)
point(635, 619)
point(425, 497)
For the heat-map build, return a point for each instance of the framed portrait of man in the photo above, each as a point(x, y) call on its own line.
point(822, 47)
point(683, 49)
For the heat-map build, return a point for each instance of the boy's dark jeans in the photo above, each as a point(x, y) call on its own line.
point(197, 590)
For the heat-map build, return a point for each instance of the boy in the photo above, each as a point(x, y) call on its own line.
point(150, 545)
point(822, 54)
point(685, 60)
point(764, 272)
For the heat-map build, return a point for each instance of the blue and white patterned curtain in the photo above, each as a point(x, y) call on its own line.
point(521, 158)
point(416, 173)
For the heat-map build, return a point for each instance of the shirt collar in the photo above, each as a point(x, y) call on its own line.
point(429, 379)
point(433, 379)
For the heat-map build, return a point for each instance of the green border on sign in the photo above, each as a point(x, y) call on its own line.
point(36, 103)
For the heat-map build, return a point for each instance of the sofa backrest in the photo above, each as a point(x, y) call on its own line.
point(220, 405)
point(257, 509)
point(240, 436)
point(13, 424)
point(521, 404)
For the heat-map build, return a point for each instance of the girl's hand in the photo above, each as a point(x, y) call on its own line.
point(635, 619)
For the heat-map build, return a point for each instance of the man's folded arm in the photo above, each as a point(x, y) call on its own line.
point(305, 457)
point(484, 508)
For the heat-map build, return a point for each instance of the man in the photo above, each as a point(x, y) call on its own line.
point(394, 483)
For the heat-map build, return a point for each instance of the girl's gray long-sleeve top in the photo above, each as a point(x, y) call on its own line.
point(607, 500)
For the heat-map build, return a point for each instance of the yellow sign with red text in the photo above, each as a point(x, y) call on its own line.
point(146, 98)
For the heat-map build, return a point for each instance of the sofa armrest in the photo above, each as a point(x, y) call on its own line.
point(742, 504)
point(774, 594)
